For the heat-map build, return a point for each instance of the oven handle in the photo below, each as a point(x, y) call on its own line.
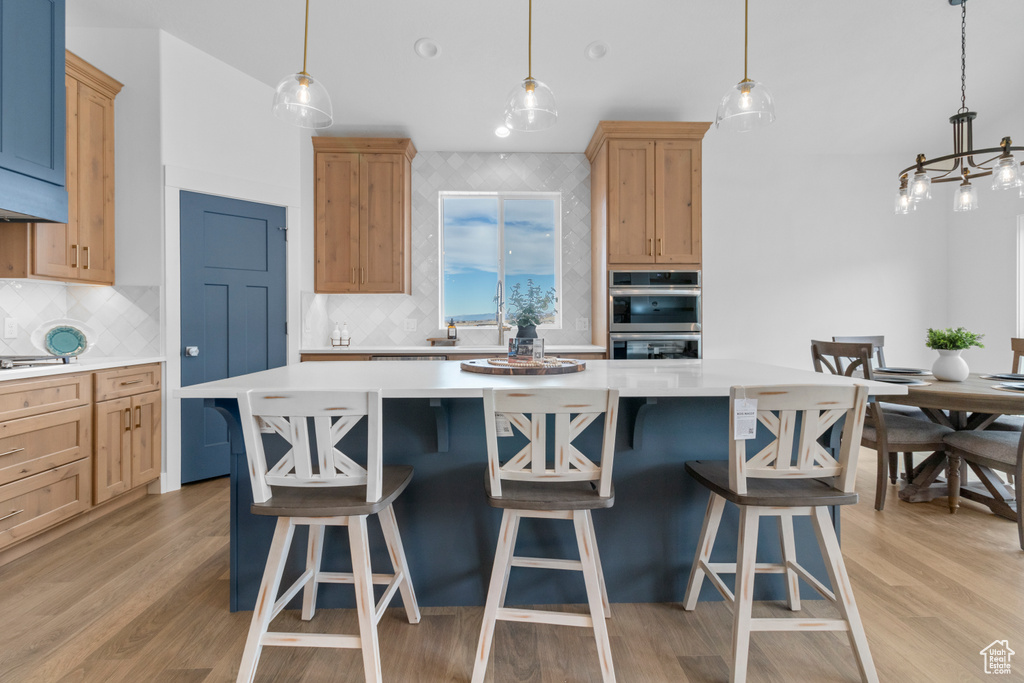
point(641, 336)
point(654, 291)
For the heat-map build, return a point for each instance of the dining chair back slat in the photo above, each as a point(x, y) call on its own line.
point(1017, 344)
point(333, 414)
point(877, 342)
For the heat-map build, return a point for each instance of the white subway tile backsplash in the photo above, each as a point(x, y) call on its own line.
point(376, 319)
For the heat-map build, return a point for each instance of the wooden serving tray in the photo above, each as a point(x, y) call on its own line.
point(503, 366)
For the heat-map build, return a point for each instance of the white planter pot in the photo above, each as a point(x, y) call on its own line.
point(950, 367)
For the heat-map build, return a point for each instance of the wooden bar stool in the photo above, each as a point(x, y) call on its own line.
point(792, 476)
point(526, 485)
point(317, 485)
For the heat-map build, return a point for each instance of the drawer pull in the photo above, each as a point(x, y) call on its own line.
point(16, 512)
point(138, 416)
point(16, 450)
point(650, 241)
point(134, 381)
point(74, 251)
point(127, 419)
point(85, 252)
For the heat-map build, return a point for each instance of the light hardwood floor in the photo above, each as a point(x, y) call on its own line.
point(141, 596)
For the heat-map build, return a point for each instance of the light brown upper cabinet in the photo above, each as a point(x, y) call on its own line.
point(82, 250)
point(363, 215)
point(645, 185)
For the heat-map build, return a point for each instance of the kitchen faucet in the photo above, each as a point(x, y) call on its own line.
point(499, 316)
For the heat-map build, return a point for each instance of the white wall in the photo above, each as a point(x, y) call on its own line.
point(132, 57)
point(982, 268)
point(806, 247)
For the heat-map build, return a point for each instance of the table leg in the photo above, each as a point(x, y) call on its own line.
point(953, 482)
point(920, 489)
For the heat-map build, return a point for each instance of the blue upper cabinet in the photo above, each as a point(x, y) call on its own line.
point(32, 111)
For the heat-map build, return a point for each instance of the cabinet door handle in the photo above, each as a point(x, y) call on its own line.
point(127, 419)
point(353, 276)
point(362, 276)
point(650, 242)
point(74, 253)
point(659, 246)
point(138, 416)
point(85, 252)
point(134, 381)
point(8, 516)
point(16, 450)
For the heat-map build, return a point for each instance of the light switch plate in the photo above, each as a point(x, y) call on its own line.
point(409, 325)
point(582, 324)
point(10, 328)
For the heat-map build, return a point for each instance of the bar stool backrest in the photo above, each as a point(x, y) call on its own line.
point(797, 416)
point(1017, 344)
point(877, 342)
point(527, 412)
point(313, 459)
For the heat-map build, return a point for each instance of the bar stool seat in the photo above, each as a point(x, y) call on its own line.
point(334, 502)
point(714, 475)
point(561, 495)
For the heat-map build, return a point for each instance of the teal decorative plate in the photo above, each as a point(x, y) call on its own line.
point(65, 340)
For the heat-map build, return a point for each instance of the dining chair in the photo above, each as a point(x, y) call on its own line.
point(1011, 423)
point(886, 433)
point(565, 484)
point(792, 476)
point(1002, 451)
point(317, 485)
point(877, 342)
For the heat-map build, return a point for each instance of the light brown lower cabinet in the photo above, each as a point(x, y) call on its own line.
point(64, 451)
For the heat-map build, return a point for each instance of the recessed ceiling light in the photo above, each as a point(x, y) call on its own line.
point(596, 50)
point(426, 48)
point(502, 131)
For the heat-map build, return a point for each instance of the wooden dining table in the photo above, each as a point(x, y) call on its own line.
point(974, 403)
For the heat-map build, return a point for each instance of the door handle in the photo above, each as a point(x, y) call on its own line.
point(138, 417)
point(191, 351)
point(127, 419)
point(85, 253)
point(353, 276)
point(650, 242)
point(74, 252)
point(362, 276)
point(659, 246)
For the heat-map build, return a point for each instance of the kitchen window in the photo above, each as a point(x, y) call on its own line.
point(492, 237)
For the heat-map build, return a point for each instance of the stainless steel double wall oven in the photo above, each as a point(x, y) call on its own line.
point(654, 314)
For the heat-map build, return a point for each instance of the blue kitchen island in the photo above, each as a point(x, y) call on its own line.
point(671, 411)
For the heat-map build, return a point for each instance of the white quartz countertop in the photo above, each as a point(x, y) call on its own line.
point(80, 364)
point(446, 379)
point(549, 349)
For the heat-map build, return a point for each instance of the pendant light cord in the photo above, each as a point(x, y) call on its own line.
point(305, 40)
point(963, 56)
point(529, 43)
point(746, 36)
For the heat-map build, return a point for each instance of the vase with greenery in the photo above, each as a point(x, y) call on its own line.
point(950, 343)
point(529, 306)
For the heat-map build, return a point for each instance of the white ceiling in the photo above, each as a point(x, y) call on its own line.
point(867, 76)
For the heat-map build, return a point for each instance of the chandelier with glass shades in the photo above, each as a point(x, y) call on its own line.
point(531, 104)
point(966, 162)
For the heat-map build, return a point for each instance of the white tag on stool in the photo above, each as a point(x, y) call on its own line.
point(501, 425)
point(745, 418)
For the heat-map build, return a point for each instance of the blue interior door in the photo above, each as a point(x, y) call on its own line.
point(232, 312)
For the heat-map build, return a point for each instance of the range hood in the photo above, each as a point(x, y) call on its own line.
point(25, 199)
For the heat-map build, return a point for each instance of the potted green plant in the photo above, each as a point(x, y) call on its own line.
point(950, 343)
point(528, 307)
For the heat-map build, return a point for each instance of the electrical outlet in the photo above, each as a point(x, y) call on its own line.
point(10, 328)
point(582, 324)
point(409, 325)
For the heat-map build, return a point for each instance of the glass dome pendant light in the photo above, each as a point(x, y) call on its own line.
point(748, 104)
point(301, 100)
point(531, 104)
